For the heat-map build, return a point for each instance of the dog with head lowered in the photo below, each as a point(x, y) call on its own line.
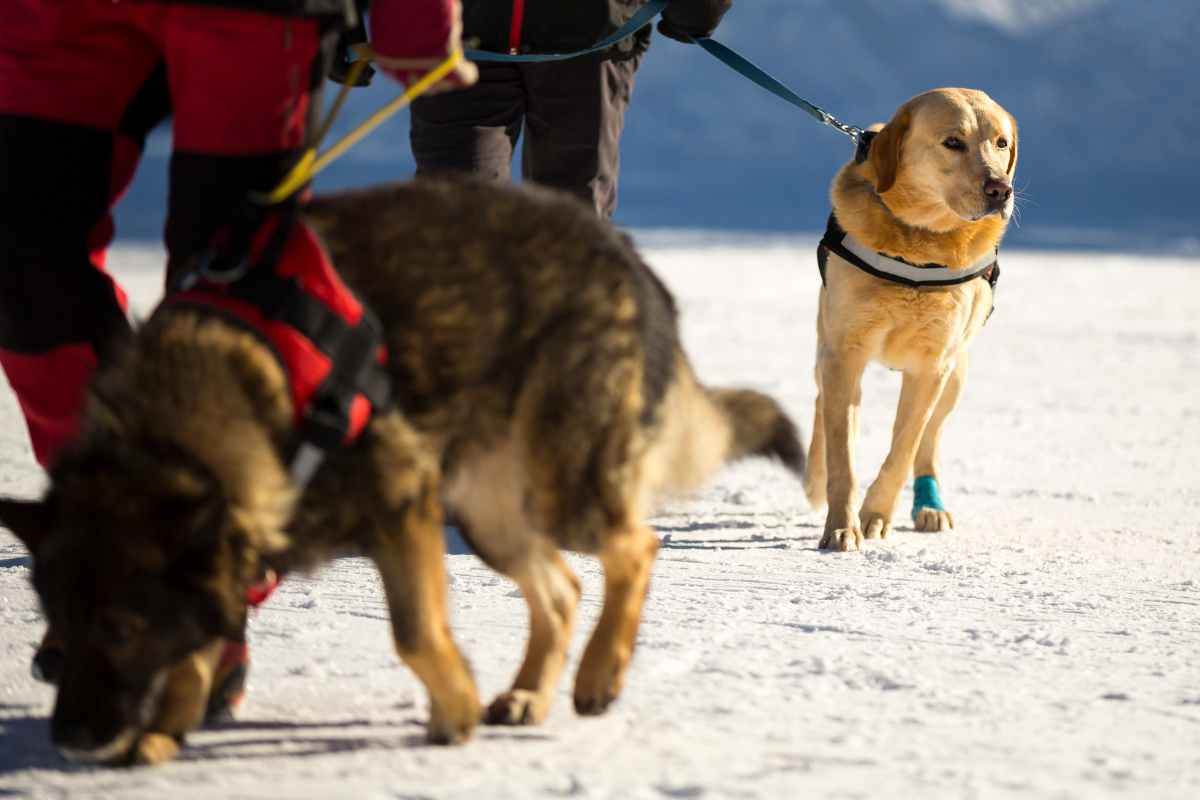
point(909, 266)
point(542, 399)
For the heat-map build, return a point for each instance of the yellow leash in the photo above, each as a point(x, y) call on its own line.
point(311, 163)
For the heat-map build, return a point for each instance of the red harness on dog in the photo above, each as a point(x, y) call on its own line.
point(329, 344)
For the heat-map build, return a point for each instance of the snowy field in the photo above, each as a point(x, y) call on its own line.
point(1048, 648)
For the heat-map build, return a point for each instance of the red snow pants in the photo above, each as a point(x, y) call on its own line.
point(81, 85)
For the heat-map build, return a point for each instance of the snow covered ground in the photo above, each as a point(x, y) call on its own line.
point(1048, 648)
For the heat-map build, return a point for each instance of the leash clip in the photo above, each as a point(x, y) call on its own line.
point(231, 253)
point(205, 271)
point(208, 269)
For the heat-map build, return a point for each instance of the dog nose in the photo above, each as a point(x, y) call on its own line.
point(997, 191)
point(81, 734)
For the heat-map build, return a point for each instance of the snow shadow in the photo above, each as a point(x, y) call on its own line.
point(25, 740)
point(25, 743)
point(256, 748)
point(692, 527)
point(259, 739)
point(456, 545)
point(774, 537)
point(759, 543)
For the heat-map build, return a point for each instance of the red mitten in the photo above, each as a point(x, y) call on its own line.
point(411, 37)
point(257, 594)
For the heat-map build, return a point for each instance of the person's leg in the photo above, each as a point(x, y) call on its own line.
point(244, 89)
point(576, 112)
point(245, 92)
point(474, 130)
point(80, 88)
point(78, 93)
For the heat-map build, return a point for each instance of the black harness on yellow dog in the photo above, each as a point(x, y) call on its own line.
point(897, 270)
point(889, 268)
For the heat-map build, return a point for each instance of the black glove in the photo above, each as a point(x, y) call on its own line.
point(343, 57)
point(339, 71)
point(685, 20)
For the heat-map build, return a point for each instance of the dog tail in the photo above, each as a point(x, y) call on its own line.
point(758, 426)
point(702, 429)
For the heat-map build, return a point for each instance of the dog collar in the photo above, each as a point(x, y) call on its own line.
point(898, 270)
point(329, 344)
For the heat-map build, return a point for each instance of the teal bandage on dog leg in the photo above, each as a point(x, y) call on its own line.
point(925, 495)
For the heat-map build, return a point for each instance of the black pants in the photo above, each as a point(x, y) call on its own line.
point(572, 113)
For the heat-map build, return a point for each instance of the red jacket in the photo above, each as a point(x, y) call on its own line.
point(406, 29)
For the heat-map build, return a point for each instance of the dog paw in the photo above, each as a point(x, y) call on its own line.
point(842, 540)
point(517, 707)
point(598, 684)
point(875, 525)
point(592, 705)
point(155, 748)
point(452, 728)
point(932, 520)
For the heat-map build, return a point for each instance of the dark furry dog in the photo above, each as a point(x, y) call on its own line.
point(543, 399)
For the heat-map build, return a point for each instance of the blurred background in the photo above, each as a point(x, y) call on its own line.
point(1104, 90)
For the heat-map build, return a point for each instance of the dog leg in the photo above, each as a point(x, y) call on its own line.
point(841, 397)
point(552, 591)
point(815, 475)
point(918, 395)
point(627, 557)
point(181, 706)
point(926, 464)
point(411, 564)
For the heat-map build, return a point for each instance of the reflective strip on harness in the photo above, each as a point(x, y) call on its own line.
point(918, 276)
point(838, 241)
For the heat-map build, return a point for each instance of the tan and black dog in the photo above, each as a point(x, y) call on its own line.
point(929, 205)
point(544, 401)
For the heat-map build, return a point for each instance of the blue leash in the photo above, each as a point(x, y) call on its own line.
point(748, 69)
point(725, 55)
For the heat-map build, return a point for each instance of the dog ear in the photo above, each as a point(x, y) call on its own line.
point(1012, 148)
point(29, 520)
point(885, 150)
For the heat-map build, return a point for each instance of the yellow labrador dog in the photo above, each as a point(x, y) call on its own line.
point(909, 267)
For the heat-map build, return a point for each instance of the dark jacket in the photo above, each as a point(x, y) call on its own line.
point(560, 26)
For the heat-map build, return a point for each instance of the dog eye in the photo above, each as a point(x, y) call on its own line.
point(1002, 143)
point(953, 143)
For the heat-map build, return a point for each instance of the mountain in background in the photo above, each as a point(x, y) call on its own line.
point(1108, 115)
